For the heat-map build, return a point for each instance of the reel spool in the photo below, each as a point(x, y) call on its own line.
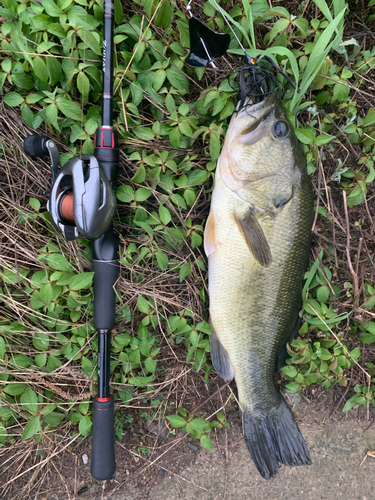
point(82, 201)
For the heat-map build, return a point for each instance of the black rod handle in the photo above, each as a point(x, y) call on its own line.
point(103, 463)
point(106, 275)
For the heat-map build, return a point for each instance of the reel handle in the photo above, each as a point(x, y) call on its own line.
point(39, 145)
point(36, 145)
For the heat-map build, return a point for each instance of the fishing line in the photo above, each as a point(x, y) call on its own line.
point(256, 80)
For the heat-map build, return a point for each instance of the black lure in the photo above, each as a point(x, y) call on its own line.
point(205, 44)
point(257, 80)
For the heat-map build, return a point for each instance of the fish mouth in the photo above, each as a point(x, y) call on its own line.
point(253, 132)
point(259, 109)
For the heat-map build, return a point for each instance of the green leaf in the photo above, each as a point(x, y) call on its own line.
point(169, 102)
point(41, 342)
point(159, 78)
point(13, 99)
point(15, 389)
point(35, 204)
point(141, 381)
point(51, 8)
point(189, 196)
point(322, 294)
point(58, 262)
point(355, 353)
point(164, 15)
point(7, 13)
point(370, 118)
point(214, 146)
point(31, 428)
point(197, 177)
point(23, 81)
point(162, 260)
point(85, 425)
point(142, 194)
point(11, 277)
point(185, 270)
point(196, 239)
point(143, 305)
point(53, 419)
point(40, 69)
point(185, 129)
point(41, 359)
point(206, 442)
point(340, 92)
point(203, 327)
point(176, 420)
point(304, 135)
point(279, 26)
point(90, 40)
point(140, 176)
point(2, 348)
point(174, 137)
point(357, 196)
point(165, 215)
point(54, 70)
point(83, 84)
point(81, 281)
point(199, 424)
point(70, 109)
point(323, 139)
point(46, 293)
point(278, 11)
point(29, 400)
point(125, 193)
point(194, 337)
point(367, 338)
point(178, 79)
point(293, 386)
point(150, 365)
point(290, 371)
point(52, 363)
point(51, 112)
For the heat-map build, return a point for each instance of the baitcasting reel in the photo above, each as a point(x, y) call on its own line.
point(82, 201)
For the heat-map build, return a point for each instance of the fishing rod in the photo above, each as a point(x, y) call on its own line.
point(82, 203)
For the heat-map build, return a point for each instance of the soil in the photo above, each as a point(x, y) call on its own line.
point(179, 468)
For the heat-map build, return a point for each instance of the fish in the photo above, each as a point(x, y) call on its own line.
point(257, 239)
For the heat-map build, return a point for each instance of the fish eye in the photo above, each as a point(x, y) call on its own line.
point(280, 129)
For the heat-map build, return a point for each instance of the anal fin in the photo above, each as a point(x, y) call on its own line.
point(220, 358)
point(209, 235)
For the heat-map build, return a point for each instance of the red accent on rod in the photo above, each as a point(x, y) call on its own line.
point(103, 400)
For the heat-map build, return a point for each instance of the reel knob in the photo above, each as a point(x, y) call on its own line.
point(36, 145)
point(82, 200)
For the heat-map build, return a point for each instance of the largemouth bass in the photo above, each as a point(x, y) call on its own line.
point(257, 240)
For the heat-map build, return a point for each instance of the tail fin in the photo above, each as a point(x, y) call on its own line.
point(273, 436)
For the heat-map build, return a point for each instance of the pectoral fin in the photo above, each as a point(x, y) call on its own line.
point(209, 235)
point(220, 358)
point(255, 238)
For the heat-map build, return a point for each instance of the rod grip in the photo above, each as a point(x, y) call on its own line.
point(35, 145)
point(105, 277)
point(103, 463)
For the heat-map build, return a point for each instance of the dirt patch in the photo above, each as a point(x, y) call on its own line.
point(179, 468)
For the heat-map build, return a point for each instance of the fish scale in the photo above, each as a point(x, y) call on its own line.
point(261, 188)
